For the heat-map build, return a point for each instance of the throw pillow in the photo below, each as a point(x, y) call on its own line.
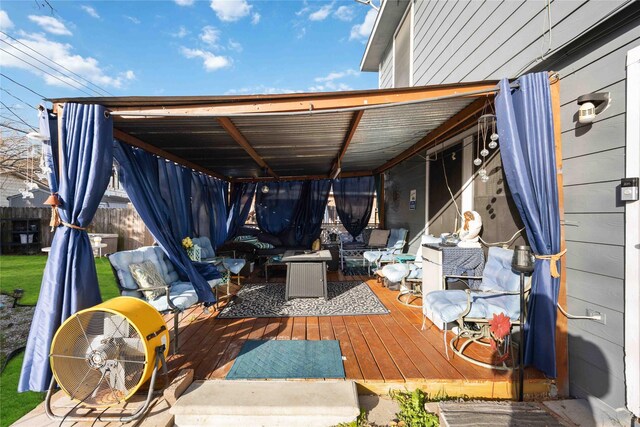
point(378, 238)
point(263, 245)
point(243, 238)
point(269, 238)
point(146, 275)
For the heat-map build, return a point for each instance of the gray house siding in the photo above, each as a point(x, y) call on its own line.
point(386, 68)
point(399, 181)
point(593, 163)
point(471, 41)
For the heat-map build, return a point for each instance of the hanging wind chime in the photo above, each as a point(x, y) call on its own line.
point(486, 131)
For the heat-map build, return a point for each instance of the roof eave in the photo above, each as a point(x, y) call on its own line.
point(389, 16)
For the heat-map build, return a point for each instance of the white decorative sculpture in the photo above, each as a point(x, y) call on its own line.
point(468, 233)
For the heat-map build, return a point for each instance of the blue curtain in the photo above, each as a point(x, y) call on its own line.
point(239, 205)
point(175, 189)
point(354, 201)
point(525, 127)
point(275, 208)
point(209, 208)
point(70, 282)
point(310, 212)
point(140, 176)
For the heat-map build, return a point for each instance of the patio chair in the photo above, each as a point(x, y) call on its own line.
point(208, 254)
point(472, 309)
point(395, 245)
point(353, 250)
point(407, 270)
point(174, 296)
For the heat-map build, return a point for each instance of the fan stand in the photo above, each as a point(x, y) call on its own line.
point(159, 361)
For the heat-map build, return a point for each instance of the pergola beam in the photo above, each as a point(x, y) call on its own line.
point(136, 142)
point(238, 137)
point(353, 126)
point(303, 177)
point(307, 102)
point(454, 123)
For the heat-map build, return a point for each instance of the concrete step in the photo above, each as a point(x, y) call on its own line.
point(267, 403)
point(498, 414)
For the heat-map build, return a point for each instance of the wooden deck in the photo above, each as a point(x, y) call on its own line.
point(382, 352)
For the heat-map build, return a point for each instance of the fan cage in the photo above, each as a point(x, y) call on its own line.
point(99, 357)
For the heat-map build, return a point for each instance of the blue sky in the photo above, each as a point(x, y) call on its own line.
point(180, 47)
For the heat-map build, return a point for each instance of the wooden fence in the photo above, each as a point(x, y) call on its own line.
point(126, 223)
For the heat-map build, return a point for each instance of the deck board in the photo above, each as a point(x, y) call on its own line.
point(376, 349)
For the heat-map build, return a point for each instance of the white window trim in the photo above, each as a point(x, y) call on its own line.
point(632, 238)
point(409, 13)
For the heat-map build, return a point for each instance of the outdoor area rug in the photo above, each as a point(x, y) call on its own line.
point(260, 359)
point(267, 300)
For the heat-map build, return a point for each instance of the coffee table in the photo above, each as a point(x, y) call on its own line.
point(306, 274)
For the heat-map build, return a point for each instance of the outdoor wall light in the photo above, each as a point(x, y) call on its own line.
point(265, 189)
point(591, 105)
point(17, 294)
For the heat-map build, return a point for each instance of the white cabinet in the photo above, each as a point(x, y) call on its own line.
point(431, 279)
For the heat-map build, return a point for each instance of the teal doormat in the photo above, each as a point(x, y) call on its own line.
point(264, 359)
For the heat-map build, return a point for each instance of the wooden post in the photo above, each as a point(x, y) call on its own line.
point(381, 216)
point(562, 343)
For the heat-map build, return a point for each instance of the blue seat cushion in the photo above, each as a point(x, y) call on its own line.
point(182, 296)
point(497, 274)
point(206, 249)
point(449, 305)
point(395, 272)
point(121, 261)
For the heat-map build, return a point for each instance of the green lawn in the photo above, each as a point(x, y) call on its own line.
point(14, 405)
point(25, 272)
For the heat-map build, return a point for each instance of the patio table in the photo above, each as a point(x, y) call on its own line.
point(306, 274)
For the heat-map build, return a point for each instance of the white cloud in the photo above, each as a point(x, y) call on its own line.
point(5, 21)
point(182, 32)
point(330, 86)
point(133, 19)
point(331, 82)
point(211, 62)
point(362, 31)
point(322, 13)
point(184, 2)
point(255, 18)
point(90, 11)
point(50, 25)
point(62, 53)
point(344, 13)
point(230, 10)
point(234, 45)
point(210, 35)
point(260, 90)
point(337, 75)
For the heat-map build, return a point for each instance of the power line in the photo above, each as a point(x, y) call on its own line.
point(12, 128)
point(58, 64)
point(13, 96)
point(46, 72)
point(17, 116)
point(47, 65)
point(20, 84)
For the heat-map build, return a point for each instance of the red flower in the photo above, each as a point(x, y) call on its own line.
point(500, 326)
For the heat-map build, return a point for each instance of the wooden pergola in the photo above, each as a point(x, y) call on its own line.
point(302, 136)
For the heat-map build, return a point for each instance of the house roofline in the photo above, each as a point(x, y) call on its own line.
point(389, 16)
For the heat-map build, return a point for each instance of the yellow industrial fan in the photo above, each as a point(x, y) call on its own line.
point(102, 355)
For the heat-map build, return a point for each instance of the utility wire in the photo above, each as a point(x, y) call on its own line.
point(46, 72)
point(47, 65)
point(17, 116)
point(12, 128)
point(58, 64)
point(21, 100)
point(20, 84)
